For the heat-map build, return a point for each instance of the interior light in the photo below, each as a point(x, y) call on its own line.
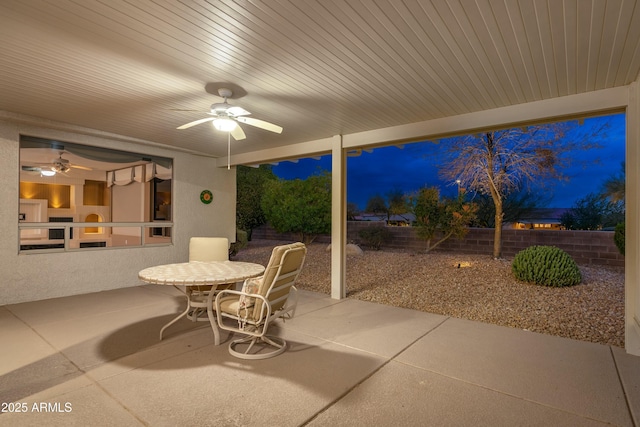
point(225, 125)
point(47, 173)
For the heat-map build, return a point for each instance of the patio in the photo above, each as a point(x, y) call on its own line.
point(341, 79)
point(95, 359)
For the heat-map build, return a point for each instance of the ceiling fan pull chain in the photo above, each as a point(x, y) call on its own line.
point(228, 150)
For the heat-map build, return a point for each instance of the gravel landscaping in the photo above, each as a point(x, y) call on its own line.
point(474, 287)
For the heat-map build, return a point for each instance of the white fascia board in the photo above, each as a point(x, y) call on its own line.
point(318, 147)
point(532, 112)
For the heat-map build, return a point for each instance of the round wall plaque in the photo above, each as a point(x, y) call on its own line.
point(206, 197)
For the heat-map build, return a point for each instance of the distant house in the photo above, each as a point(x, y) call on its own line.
point(540, 219)
point(404, 220)
point(370, 217)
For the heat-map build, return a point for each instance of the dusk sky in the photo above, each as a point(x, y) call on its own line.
point(414, 166)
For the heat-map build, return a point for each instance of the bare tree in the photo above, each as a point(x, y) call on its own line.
point(500, 162)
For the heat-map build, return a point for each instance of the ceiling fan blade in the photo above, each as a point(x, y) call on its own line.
point(237, 111)
point(238, 133)
point(31, 168)
point(197, 122)
point(84, 168)
point(260, 124)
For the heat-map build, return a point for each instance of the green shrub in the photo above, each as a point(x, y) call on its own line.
point(547, 266)
point(241, 242)
point(375, 236)
point(618, 237)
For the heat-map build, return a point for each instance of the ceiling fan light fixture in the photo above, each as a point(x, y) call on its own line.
point(224, 124)
point(47, 173)
point(227, 118)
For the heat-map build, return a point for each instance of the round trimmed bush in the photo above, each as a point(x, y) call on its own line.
point(547, 266)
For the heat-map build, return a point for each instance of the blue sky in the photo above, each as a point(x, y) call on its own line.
point(414, 166)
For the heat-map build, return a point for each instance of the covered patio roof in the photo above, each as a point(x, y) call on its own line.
point(318, 69)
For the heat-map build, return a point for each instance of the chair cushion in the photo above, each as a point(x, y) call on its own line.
point(208, 249)
point(294, 259)
point(231, 305)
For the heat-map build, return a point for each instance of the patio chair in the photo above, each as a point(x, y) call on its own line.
point(205, 249)
point(261, 301)
point(208, 249)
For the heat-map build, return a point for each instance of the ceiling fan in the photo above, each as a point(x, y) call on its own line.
point(59, 165)
point(226, 117)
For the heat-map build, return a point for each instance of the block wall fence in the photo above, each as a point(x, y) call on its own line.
point(586, 247)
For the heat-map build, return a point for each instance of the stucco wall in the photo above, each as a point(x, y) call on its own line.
point(29, 277)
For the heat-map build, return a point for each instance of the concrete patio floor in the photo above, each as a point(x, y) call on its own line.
point(96, 360)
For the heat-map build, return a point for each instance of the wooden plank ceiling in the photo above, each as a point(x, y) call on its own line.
point(316, 68)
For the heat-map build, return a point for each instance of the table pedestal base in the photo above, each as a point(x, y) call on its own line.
point(199, 304)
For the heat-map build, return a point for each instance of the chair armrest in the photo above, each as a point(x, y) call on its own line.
point(228, 292)
point(266, 307)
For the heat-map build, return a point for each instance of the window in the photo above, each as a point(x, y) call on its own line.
point(76, 197)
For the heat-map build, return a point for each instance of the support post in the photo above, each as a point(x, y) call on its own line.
point(632, 221)
point(338, 219)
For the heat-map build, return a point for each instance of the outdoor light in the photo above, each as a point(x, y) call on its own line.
point(47, 173)
point(226, 125)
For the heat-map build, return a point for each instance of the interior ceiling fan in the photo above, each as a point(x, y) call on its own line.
point(59, 165)
point(226, 117)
